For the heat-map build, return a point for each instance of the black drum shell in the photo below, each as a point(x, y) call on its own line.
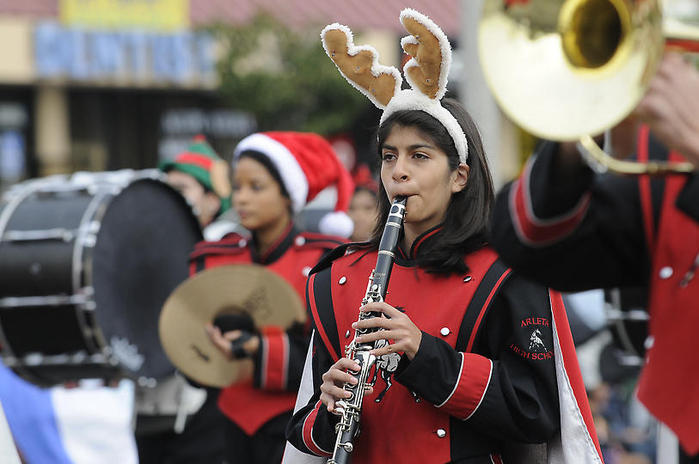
point(42, 267)
point(126, 249)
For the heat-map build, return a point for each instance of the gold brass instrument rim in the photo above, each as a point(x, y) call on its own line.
point(653, 168)
point(532, 72)
point(531, 78)
point(569, 25)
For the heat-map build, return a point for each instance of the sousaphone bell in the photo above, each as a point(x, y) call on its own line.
point(244, 291)
point(567, 69)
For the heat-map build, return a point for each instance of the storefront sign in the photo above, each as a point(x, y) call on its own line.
point(13, 125)
point(120, 14)
point(179, 125)
point(129, 57)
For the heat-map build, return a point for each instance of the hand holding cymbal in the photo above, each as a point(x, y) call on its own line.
point(247, 296)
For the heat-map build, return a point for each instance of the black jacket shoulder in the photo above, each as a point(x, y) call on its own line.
point(315, 240)
point(232, 243)
point(338, 252)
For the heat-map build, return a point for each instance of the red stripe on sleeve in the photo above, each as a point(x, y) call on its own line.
point(471, 386)
point(535, 231)
point(308, 432)
point(275, 358)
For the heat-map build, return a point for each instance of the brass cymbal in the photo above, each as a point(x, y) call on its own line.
point(241, 289)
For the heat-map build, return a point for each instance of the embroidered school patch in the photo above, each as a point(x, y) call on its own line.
point(534, 339)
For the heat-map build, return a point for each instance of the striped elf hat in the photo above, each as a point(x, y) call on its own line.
point(203, 163)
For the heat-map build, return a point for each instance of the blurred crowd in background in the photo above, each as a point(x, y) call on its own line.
point(93, 86)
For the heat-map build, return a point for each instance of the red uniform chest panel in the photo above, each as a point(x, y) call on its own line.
point(293, 266)
point(215, 260)
point(676, 248)
point(671, 375)
point(433, 303)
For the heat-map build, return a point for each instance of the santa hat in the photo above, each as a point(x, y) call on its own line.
point(307, 164)
point(203, 163)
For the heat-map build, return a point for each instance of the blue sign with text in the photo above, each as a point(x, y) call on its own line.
point(136, 56)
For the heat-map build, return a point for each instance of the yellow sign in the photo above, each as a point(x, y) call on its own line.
point(123, 14)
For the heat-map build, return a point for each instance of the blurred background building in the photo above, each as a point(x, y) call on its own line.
point(108, 84)
point(100, 85)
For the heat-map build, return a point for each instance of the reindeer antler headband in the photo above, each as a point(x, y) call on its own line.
point(426, 72)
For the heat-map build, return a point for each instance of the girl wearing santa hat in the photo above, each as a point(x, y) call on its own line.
point(275, 175)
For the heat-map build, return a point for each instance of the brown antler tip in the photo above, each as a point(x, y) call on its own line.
point(425, 50)
point(357, 64)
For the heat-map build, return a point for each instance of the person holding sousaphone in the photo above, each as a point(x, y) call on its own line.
point(423, 340)
point(570, 227)
point(275, 175)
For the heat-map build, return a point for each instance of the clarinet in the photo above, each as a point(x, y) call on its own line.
point(350, 409)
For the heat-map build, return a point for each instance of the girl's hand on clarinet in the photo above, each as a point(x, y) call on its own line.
point(397, 326)
point(331, 390)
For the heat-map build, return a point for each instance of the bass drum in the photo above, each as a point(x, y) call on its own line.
point(86, 263)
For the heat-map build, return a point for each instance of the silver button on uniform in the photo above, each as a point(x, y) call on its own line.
point(342, 280)
point(666, 272)
point(444, 331)
point(242, 243)
point(441, 433)
point(300, 241)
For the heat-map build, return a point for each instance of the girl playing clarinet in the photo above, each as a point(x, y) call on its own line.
point(456, 376)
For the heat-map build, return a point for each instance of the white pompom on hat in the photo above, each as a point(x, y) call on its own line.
point(307, 164)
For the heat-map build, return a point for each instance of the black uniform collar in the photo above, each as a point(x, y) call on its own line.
point(408, 259)
point(277, 250)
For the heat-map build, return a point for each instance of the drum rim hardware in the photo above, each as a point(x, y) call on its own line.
point(71, 246)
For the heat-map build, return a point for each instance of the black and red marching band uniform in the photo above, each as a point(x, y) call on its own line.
point(609, 231)
point(484, 372)
point(267, 400)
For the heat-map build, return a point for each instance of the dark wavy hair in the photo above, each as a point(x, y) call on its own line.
point(465, 225)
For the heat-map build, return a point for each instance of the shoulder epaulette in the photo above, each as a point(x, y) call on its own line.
point(232, 243)
point(231, 236)
point(338, 252)
point(315, 240)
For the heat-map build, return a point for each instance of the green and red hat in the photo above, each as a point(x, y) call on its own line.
point(203, 163)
